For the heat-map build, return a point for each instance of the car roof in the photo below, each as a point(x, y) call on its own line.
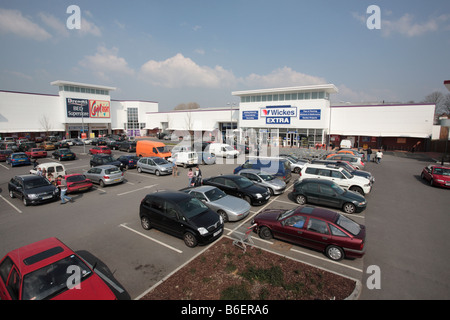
point(107, 166)
point(318, 212)
point(170, 195)
point(38, 254)
point(26, 177)
point(316, 180)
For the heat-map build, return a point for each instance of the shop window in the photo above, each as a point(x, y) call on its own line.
point(314, 95)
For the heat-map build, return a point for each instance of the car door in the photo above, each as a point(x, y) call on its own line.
point(151, 166)
point(316, 234)
point(171, 220)
point(10, 280)
point(154, 211)
point(231, 188)
point(328, 196)
point(17, 187)
point(291, 229)
point(312, 192)
point(339, 178)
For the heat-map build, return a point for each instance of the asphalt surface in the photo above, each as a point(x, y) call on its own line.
point(406, 222)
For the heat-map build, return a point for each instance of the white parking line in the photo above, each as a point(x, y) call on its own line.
point(146, 187)
point(150, 238)
point(327, 260)
point(4, 166)
point(17, 209)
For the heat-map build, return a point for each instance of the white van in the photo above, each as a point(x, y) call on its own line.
point(184, 159)
point(182, 148)
point(55, 168)
point(346, 144)
point(222, 150)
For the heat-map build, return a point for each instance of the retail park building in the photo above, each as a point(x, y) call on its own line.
point(293, 116)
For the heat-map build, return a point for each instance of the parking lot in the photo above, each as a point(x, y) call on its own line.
point(104, 224)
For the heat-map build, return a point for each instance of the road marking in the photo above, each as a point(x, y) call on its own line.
point(17, 209)
point(327, 260)
point(150, 238)
point(146, 187)
point(4, 166)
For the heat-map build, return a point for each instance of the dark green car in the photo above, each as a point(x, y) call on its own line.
point(328, 193)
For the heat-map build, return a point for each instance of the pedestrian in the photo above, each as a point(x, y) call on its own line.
point(39, 172)
point(198, 176)
point(44, 173)
point(174, 168)
point(369, 152)
point(35, 163)
point(63, 189)
point(190, 176)
point(379, 155)
point(50, 177)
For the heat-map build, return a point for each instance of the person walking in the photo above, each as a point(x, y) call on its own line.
point(198, 177)
point(369, 153)
point(190, 176)
point(174, 168)
point(379, 155)
point(63, 189)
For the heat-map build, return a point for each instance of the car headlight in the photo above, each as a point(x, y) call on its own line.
point(202, 231)
point(258, 195)
point(33, 196)
point(440, 181)
point(220, 219)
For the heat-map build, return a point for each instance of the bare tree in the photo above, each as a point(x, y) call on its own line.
point(442, 102)
point(46, 125)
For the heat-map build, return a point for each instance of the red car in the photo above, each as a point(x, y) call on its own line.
point(5, 154)
point(100, 149)
point(437, 175)
point(36, 153)
point(76, 183)
point(48, 269)
point(316, 228)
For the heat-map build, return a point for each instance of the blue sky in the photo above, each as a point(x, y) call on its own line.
point(176, 51)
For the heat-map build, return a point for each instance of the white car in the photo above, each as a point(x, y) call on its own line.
point(222, 150)
point(337, 174)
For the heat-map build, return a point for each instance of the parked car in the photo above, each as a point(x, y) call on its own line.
point(48, 145)
point(317, 228)
point(275, 185)
point(156, 165)
point(55, 168)
point(229, 207)
point(347, 166)
point(34, 153)
point(281, 168)
point(147, 148)
point(222, 150)
point(32, 189)
point(206, 158)
point(77, 142)
point(98, 142)
point(437, 175)
point(39, 271)
point(113, 144)
point(128, 162)
point(241, 187)
point(18, 159)
point(27, 145)
point(351, 152)
point(76, 182)
point(180, 215)
point(100, 149)
point(63, 144)
point(357, 162)
point(339, 175)
point(296, 163)
point(328, 193)
point(105, 175)
point(127, 146)
point(64, 154)
point(5, 154)
point(104, 159)
point(184, 158)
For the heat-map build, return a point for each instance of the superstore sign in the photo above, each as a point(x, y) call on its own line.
point(84, 108)
point(278, 114)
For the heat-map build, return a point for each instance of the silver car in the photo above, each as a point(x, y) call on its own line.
point(156, 165)
point(296, 163)
point(229, 207)
point(105, 175)
point(275, 185)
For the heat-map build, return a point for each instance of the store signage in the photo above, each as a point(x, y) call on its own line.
point(77, 108)
point(278, 120)
point(310, 114)
point(250, 115)
point(278, 111)
point(99, 109)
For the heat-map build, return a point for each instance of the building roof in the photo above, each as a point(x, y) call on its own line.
point(80, 84)
point(330, 88)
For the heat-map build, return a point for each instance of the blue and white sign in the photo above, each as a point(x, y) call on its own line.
point(250, 115)
point(278, 120)
point(278, 111)
point(310, 114)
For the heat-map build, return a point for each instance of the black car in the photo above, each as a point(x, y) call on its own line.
point(104, 159)
point(128, 146)
point(349, 168)
point(98, 142)
point(62, 145)
point(239, 186)
point(64, 154)
point(328, 193)
point(182, 216)
point(128, 161)
point(113, 144)
point(32, 189)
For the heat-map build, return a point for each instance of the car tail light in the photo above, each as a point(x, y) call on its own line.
point(106, 177)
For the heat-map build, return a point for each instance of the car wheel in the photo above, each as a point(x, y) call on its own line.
point(247, 198)
point(157, 173)
point(25, 202)
point(272, 193)
point(422, 176)
point(190, 240)
point(224, 215)
point(357, 189)
point(334, 253)
point(11, 194)
point(300, 199)
point(139, 169)
point(102, 183)
point(145, 223)
point(297, 170)
point(349, 208)
point(431, 182)
point(265, 233)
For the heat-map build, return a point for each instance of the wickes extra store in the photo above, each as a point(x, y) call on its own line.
point(294, 116)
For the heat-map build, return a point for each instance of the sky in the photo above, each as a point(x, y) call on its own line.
point(180, 51)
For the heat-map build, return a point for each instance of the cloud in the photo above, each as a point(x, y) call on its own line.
point(106, 62)
point(281, 77)
point(54, 23)
point(89, 28)
point(12, 21)
point(179, 71)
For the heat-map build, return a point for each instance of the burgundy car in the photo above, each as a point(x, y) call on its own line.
point(36, 153)
point(437, 175)
point(316, 228)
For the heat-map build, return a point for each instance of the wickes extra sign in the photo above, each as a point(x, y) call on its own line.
point(78, 108)
point(278, 114)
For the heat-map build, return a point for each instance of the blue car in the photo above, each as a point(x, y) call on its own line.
point(18, 159)
point(129, 162)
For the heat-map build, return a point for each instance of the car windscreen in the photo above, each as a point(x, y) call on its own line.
point(347, 174)
point(348, 224)
point(36, 183)
point(215, 194)
point(76, 178)
point(442, 171)
point(160, 160)
point(162, 149)
point(53, 279)
point(112, 171)
point(20, 156)
point(337, 189)
point(192, 207)
point(266, 177)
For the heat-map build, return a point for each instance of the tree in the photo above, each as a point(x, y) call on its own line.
point(442, 102)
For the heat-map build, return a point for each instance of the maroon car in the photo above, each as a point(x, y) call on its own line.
point(317, 228)
point(437, 175)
